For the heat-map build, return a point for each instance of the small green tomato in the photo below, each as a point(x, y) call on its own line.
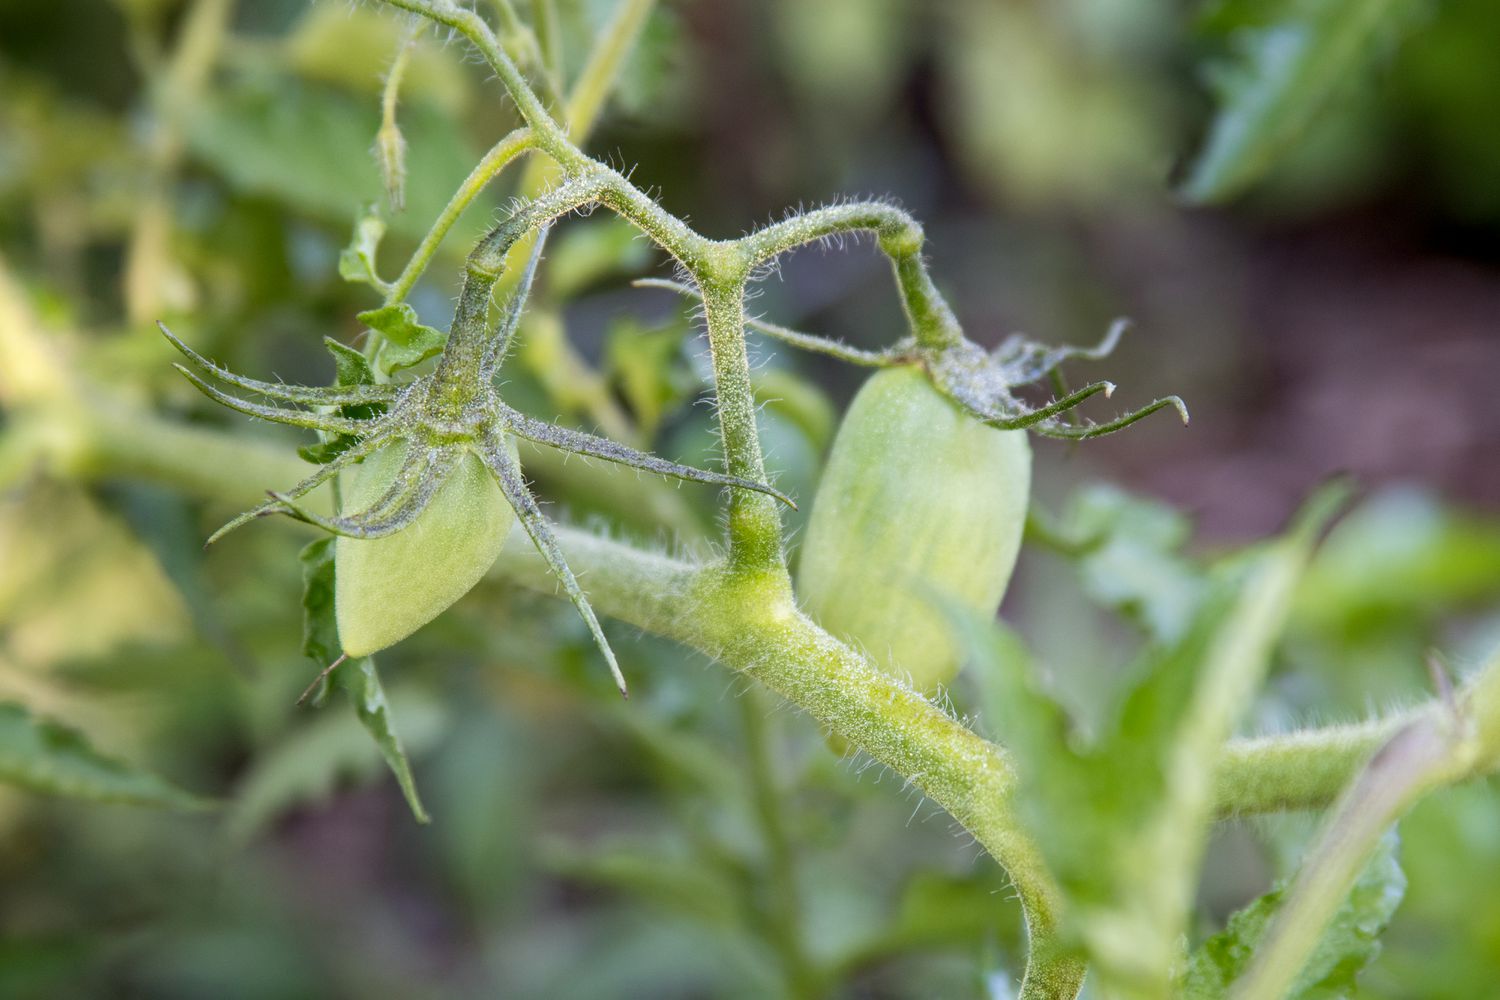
point(386, 588)
point(918, 499)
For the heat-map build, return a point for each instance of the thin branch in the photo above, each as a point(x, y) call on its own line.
point(805, 341)
point(612, 451)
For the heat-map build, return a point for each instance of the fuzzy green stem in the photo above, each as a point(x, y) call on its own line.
point(901, 238)
point(754, 522)
point(462, 360)
point(1298, 770)
point(499, 156)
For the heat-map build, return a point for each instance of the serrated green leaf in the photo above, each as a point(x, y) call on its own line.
point(357, 260)
point(350, 367)
point(43, 756)
point(1121, 821)
point(407, 341)
point(1349, 943)
point(1285, 69)
point(356, 677)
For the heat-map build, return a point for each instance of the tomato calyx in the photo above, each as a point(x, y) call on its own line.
point(985, 384)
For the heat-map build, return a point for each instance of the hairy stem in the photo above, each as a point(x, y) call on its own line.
point(499, 156)
point(754, 523)
point(900, 237)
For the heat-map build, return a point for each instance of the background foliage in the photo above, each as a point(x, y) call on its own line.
point(1297, 203)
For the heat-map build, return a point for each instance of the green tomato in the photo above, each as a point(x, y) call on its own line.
point(919, 499)
point(387, 588)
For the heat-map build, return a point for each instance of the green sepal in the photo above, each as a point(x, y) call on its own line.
point(407, 342)
point(356, 677)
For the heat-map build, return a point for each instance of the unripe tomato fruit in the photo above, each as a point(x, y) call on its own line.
point(919, 499)
point(387, 588)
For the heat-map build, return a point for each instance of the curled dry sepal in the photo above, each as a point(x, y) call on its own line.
point(984, 383)
point(441, 422)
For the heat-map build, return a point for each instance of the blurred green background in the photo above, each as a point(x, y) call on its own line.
point(1327, 300)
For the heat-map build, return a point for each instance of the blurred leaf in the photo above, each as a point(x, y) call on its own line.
point(585, 253)
point(1401, 551)
point(308, 148)
point(407, 341)
point(934, 911)
point(1349, 943)
point(843, 54)
point(46, 757)
point(1288, 61)
point(65, 559)
point(356, 677)
point(1131, 559)
point(800, 400)
point(646, 365)
point(655, 79)
point(357, 260)
point(307, 764)
point(677, 884)
point(1445, 83)
point(352, 47)
point(1039, 115)
point(1121, 820)
point(480, 784)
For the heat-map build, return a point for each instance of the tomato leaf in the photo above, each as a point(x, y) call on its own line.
point(1132, 562)
point(308, 147)
point(357, 260)
point(1282, 71)
point(1349, 943)
point(1121, 819)
point(43, 756)
point(407, 341)
point(350, 368)
point(356, 677)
